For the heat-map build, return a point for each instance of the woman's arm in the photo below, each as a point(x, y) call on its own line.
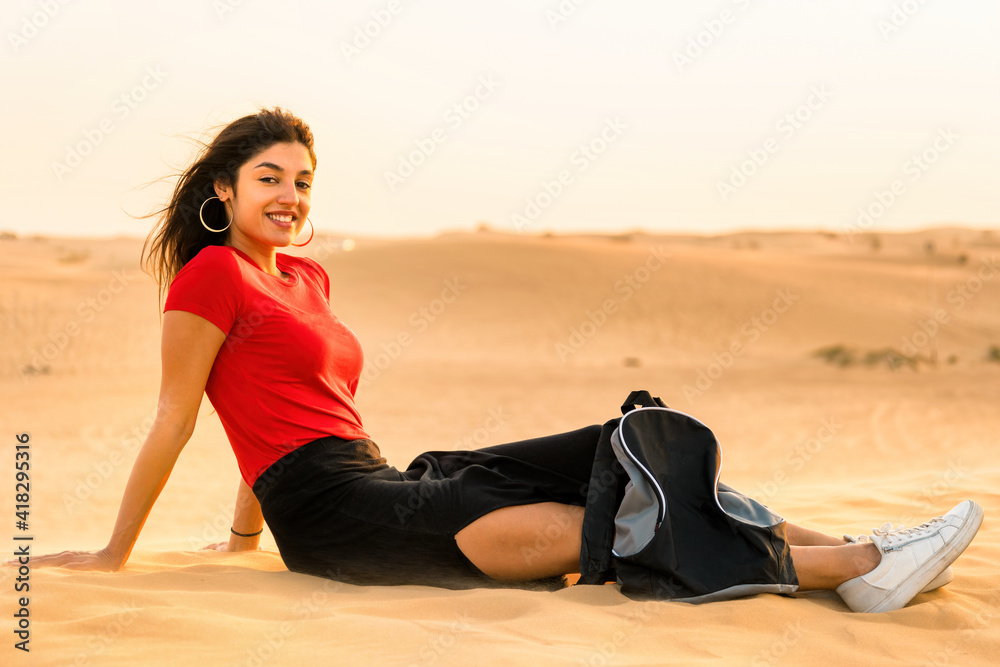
point(246, 519)
point(188, 349)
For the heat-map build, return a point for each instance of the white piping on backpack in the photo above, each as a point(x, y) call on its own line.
point(656, 485)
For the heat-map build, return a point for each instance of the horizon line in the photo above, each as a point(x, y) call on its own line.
point(486, 227)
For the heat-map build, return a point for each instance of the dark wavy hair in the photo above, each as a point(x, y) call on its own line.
point(179, 235)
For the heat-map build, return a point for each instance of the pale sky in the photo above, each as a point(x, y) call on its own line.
point(704, 117)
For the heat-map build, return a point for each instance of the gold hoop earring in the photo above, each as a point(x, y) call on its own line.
point(203, 219)
point(312, 231)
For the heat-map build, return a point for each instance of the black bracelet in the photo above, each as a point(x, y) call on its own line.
point(246, 534)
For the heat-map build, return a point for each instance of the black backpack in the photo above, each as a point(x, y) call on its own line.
point(659, 522)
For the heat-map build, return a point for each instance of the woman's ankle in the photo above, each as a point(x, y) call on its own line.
point(819, 567)
point(864, 558)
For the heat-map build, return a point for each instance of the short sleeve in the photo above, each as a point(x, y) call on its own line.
point(318, 270)
point(210, 286)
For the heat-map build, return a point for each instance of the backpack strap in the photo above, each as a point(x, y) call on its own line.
point(605, 491)
point(641, 399)
point(604, 494)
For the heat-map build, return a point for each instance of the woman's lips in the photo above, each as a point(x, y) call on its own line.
point(283, 221)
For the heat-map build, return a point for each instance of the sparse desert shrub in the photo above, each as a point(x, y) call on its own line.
point(843, 356)
point(74, 256)
point(894, 359)
point(838, 355)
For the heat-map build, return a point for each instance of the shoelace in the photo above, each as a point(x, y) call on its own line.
point(892, 535)
point(886, 530)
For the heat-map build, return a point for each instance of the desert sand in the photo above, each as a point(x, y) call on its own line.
point(851, 381)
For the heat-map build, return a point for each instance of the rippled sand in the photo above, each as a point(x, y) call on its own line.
point(478, 339)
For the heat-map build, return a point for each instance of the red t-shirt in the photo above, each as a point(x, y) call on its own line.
point(288, 369)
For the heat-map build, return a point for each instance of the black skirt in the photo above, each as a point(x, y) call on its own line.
point(337, 510)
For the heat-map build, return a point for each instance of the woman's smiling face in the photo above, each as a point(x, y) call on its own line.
point(271, 200)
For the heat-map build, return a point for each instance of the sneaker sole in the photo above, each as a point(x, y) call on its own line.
point(898, 597)
point(943, 579)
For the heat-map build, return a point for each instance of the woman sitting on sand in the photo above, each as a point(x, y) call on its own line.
point(253, 329)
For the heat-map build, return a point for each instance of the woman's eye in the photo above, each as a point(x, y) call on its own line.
point(305, 185)
point(269, 179)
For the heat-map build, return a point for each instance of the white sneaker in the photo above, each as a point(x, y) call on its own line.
point(942, 579)
point(911, 559)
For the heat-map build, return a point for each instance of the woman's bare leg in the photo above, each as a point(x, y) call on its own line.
point(525, 542)
point(828, 567)
point(822, 561)
point(541, 540)
point(805, 537)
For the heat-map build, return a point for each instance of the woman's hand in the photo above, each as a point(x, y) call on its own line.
point(99, 561)
point(235, 545)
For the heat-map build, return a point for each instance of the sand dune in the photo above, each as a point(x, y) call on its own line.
point(479, 339)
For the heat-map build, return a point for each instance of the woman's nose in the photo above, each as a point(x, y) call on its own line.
point(288, 195)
